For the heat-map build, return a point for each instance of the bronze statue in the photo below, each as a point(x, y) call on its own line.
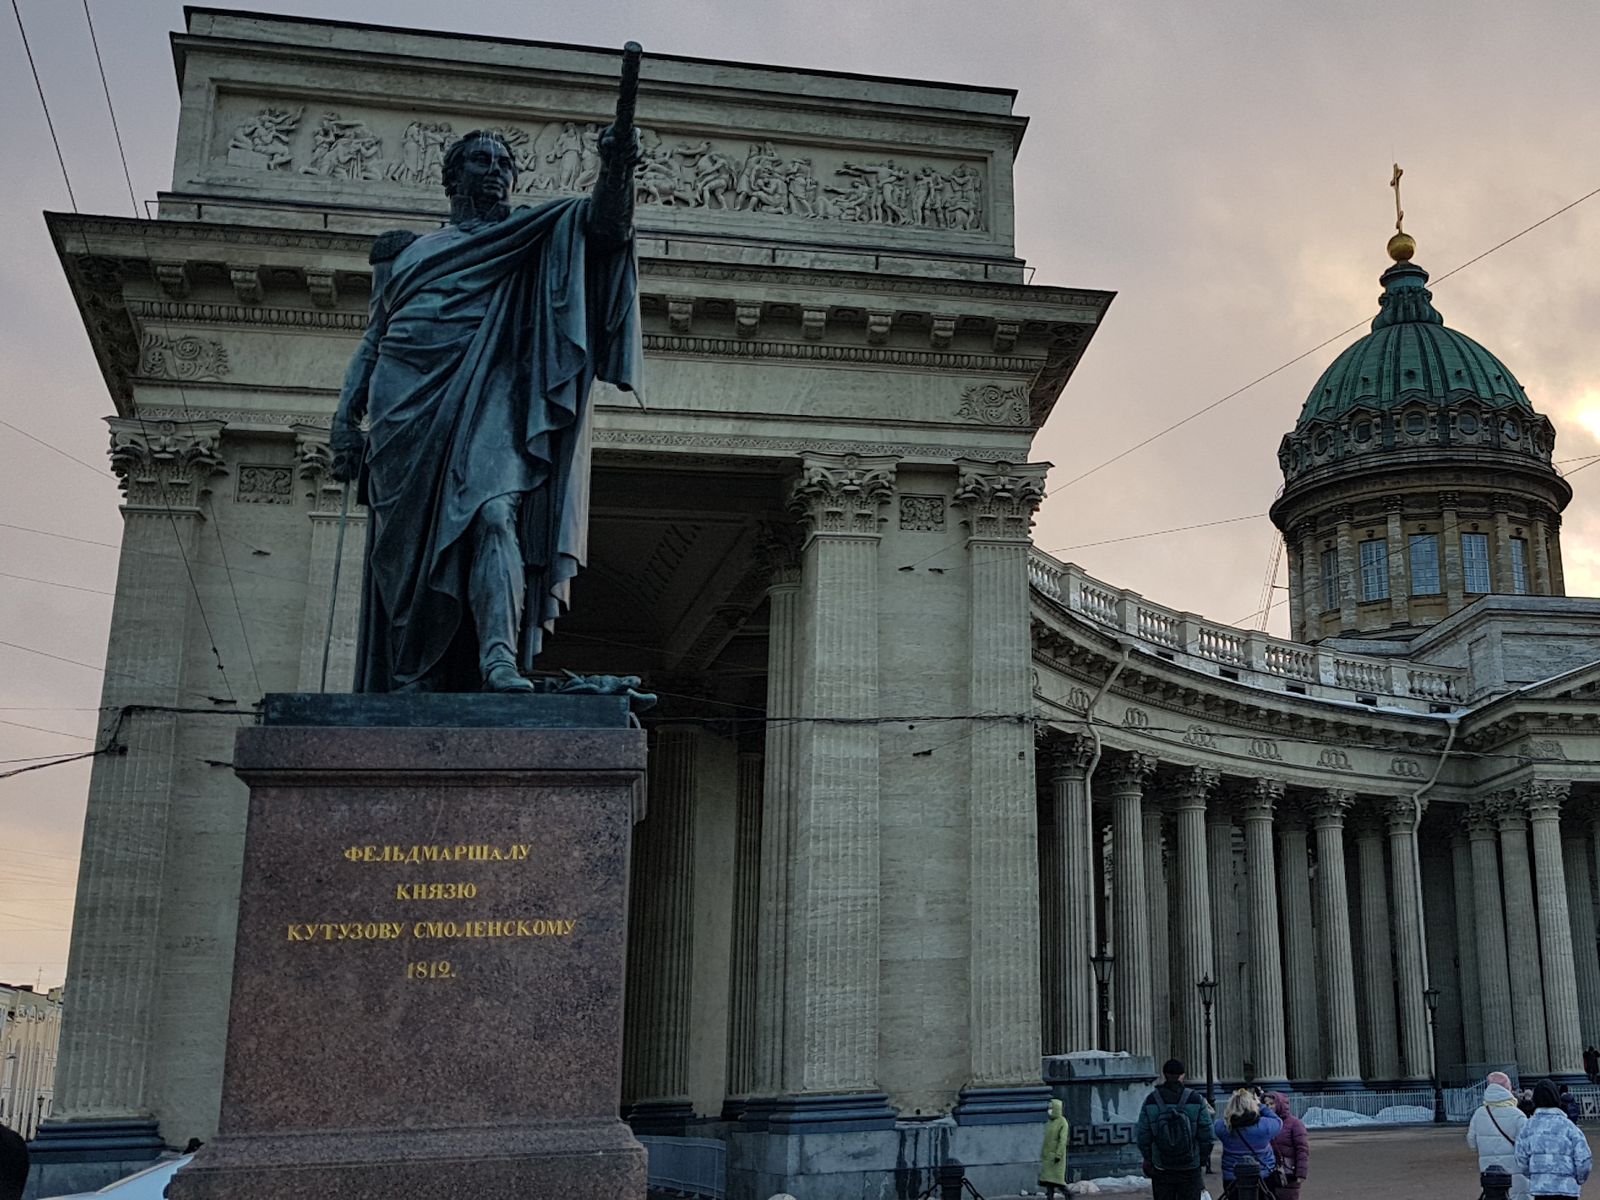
point(473, 378)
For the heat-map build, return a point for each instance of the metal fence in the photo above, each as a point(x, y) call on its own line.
point(682, 1166)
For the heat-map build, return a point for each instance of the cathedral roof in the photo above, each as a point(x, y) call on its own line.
point(1410, 355)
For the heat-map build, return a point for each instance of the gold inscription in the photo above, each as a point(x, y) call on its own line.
point(385, 931)
point(475, 852)
point(435, 891)
point(351, 931)
point(438, 969)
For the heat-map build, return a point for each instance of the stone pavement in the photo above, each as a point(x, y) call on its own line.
point(1424, 1163)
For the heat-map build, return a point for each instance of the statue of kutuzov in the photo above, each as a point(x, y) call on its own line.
point(474, 379)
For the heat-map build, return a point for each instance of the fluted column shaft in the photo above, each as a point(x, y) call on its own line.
point(1494, 971)
point(831, 1042)
point(1544, 799)
point(1383, 1048)
point(1467, 946)
point(1125, 780)
point(1002, 849)
point(1527, 987)
point(661, 927)
point(1335, 960)
point(742, 1069)
point(1070, 1023)
point(1304, 1027)
point(1580, 910)
point(1405, 893)
point(1229, 1022)
point(1194, 959)
point(1265, 1010)
point(1160, 916)
point(779, 769)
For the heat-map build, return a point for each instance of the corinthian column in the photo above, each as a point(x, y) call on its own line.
point(1544, 799)
point(1125, 779)
point(831, 1041)
point(1299, 946)
point(1068, 891)
point(1404, 891)
point(1467, 944)
point(1230, 1021)
point(1580, 908)
point(1383, 1049)
point(1256, 798)
point(1527, 989)
point(1159, 912)
point(655, 1067)
point(164, 469)
point(741, 1084)
point(1334, 960)
point(1494, 973)
point(996, 502)
point(1188, 789)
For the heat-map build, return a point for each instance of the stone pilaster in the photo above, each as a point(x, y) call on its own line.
point(1349, 568)
point(1580, 909)
point(1522, 945)
point(655, 1068)
point(1467, 945)
point(1159, 912)
point(326, 497)
point(996, 502)
point(781, 549)
point(165, 469)
point(742, 1073)
point(1188, 789)
point(1563, 1028)
point(1454, 569)
point(1230, 1021)
point(1069, 893)
point(831, 1042)
point(1335, 961)
point(1124, 780)
point(1256, 798)
point(1494, 972)
point(1383, 1046)
point(1304, 1027)
point(1406, 905)
point(1399, 561)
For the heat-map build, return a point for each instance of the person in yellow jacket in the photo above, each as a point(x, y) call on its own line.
point(1053, 1157)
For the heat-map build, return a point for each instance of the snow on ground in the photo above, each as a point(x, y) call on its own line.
point(1395, 1114)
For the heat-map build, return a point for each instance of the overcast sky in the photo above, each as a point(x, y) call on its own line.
point(1221, 166)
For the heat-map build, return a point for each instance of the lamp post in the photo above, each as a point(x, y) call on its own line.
point(1208, 997)
point(1430, 997)
point(1102, 979)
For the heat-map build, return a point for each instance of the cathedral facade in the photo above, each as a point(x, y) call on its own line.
point(909, 775)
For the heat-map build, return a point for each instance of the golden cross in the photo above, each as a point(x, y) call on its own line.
point(1399, 214)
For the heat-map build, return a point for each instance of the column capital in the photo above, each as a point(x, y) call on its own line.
point(1543, 798)
point(778, 551)
point(1401, 812)
point(1067, 756)
point(1130, 771)
point(165, 464)
point(1481, 819)
point(998, 499)
point(314, 454)
point(1509, 812)
point(1256, 797)
point(1330, 806)
point(841, 493)
point(1189, 787)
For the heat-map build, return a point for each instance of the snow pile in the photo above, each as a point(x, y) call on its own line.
point(1406, 1114)
point(1395, 1114)
point(1117, 1183)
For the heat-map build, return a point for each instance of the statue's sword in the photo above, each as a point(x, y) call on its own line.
point(333, 590)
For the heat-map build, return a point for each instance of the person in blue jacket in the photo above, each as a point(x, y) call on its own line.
point(1245, 1131)
point(1551, 1151)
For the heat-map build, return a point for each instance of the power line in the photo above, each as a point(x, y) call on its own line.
point(106, 87)
point(57, 449)
point(44, 104)
point(56, 583)
point(1133, 537)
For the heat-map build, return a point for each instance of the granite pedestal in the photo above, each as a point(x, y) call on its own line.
point(1101, 1095)
point(428, 981)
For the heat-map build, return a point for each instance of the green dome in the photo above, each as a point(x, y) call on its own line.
point(1410, 355)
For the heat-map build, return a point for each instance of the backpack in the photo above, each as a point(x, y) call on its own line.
point(1172, 1145)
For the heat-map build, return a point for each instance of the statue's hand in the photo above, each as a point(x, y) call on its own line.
point(349, 450)
point(625, 152)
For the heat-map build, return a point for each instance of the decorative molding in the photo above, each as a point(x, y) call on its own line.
point(809, 351)
point(923, 514)
point(239, 416)
point(1265, 749)
point(999, 499)
point(1201, 737)
point(1543, 798)
point(1129, 771)
point(246, 280)
point(1067, 755)
point(842, 493)
point(1255, 798)
point(165, 464)
point(187, 359)
point(323, 288)
point(1189, 787)
point(786, 447)
point(1078, 700)
point(196, 312)
point(315, 453)
point(264, 485)
point(1406, 768)
point(1334, 759)
point(993, 404)
point(1135, 718)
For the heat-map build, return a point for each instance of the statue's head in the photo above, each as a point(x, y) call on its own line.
point(480, 167)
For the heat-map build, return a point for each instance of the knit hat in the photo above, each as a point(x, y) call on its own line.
point(1172, 1068)
point(1501, 1078)
point(1545, 1095)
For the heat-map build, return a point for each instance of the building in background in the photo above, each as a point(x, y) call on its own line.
point(30, 1031)
point(909, 773)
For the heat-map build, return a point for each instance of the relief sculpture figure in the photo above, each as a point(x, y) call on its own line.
point(473, 379)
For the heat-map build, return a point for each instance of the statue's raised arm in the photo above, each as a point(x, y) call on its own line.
point(611, 210)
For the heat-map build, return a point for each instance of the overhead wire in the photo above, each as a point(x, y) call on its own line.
point(44, 104)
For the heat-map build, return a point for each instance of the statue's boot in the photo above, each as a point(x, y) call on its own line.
point(496, 590)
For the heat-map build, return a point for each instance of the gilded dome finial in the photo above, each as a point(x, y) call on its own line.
point(1402, 245)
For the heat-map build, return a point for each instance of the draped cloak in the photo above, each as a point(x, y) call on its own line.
point(486, 340)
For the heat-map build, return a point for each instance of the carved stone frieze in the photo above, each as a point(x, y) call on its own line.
point(842, 493)
point(165, 464)
point(186, 359)
point(999, 499)
point(922, 514)
point(264, 485)
point(992, 404)
point(1265, 749)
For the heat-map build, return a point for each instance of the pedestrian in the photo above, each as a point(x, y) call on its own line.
point(1569, 1104)
point(1591, 1064)
point(1246, 1131)
point(1292, 1148)
point(1494, 1129)
point(13, 1164)
point(1053, 1155)
point(1525, 1102)
point(1551, 1151)
point(1174, 1135)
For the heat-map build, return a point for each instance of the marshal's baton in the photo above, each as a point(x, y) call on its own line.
point(333, 590)
point(628, 93)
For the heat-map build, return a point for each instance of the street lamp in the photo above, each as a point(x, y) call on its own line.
point(1102, 978)
point(1208, 997)
point(1430, 997)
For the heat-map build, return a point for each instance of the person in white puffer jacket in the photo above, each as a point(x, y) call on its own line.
point(1494, 1129)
